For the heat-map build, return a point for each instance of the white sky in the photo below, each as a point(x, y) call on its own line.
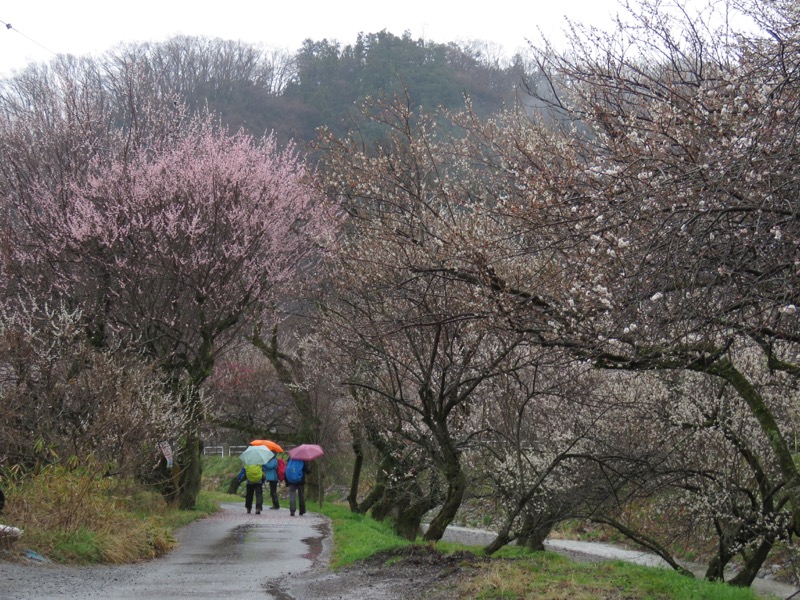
point(43, 28)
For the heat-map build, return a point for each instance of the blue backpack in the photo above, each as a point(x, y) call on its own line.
point(294, 471)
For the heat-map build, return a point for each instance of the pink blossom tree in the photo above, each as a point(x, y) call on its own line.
point(175, 245)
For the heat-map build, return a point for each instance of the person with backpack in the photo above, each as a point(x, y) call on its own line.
point(272, 476)
point(255, 475)
point(296, 471)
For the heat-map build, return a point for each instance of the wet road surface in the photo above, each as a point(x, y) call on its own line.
point(228, 555)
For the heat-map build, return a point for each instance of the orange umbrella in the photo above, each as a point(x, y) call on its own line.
point(268, 443)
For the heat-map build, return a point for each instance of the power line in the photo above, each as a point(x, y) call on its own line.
point(30, 39)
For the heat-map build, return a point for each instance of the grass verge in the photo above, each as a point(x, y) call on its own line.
point(78, 516)
point(356, 537)
point(519, 574)
point(549, 576)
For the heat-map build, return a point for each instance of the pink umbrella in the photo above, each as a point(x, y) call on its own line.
point(306, 452)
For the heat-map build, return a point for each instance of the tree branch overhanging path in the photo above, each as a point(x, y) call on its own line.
point(638, 216)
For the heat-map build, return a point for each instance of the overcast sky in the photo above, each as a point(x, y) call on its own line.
point(43, 28)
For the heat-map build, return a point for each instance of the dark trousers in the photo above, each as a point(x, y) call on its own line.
point(258, 490)
point(301, 498)
point(273, 492)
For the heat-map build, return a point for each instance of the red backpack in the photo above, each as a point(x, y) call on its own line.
point(281, 470)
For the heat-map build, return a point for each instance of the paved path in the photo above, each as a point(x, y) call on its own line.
point(228, 555)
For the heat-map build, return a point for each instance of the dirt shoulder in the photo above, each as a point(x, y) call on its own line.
point(412, 573)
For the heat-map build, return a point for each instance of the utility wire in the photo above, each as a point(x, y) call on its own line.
point(30, 39)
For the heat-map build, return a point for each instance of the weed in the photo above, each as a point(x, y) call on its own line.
point(80, 516)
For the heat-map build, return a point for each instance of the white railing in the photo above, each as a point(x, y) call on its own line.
point(223, 450)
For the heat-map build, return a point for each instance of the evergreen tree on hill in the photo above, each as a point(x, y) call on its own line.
point(331, 80)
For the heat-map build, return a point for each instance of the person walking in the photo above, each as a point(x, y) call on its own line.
point(255, 475)
point(296, 471)
point(271, 474)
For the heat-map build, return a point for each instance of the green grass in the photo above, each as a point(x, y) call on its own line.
point(356, 537)
point(218, 472)
point(548, 576)
point(82, 546)
point(221, 466)
point(515, 573)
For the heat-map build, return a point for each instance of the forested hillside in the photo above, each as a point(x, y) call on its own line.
point(319, 85)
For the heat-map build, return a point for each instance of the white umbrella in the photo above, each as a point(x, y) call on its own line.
point(256, 455)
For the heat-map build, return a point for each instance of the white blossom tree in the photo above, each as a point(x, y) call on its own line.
point(65, 400)
point(643, 218)
point(652, 203)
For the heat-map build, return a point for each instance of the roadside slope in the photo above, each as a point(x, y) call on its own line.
point(597, 551)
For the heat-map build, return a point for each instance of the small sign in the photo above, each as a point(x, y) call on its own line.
point(167, 452)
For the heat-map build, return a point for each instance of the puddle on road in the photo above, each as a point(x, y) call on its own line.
point(280, 588)
point(272, 542)
point(315, 544)
point(232, 545)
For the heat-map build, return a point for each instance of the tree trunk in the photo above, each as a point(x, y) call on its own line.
point(457, 485)
point(167, 481)
point(504, 535)
point(716, 568)
point(645, 542)
point(752, 565)
point(372, 499)
point(381, 498)
point(534, 532)
point(498, 542)
point(758, 407)
point(407, 519)
point(312, 484)
point(352, 497)
point(382, 507)
point(191, 471)
point(717, 564)
point(320, 487)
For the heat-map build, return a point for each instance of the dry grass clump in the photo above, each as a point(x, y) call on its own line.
point(80, 516)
